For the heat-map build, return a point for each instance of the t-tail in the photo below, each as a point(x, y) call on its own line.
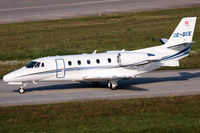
point(180, 41)
point(182, 35)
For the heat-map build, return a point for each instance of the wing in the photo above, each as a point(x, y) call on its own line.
point(105, 78)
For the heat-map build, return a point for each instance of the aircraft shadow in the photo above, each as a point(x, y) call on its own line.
point(77, 86)
point(124, 84)
point(58, 87)
point(183, 76)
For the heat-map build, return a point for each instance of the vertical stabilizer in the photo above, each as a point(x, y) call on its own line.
point(183, 32)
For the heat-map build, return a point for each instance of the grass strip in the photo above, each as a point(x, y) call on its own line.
point(166, 114)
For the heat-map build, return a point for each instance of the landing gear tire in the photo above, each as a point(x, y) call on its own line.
point(112, 86)
point(21, 90)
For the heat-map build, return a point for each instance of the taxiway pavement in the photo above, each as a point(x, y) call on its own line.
point(31, 10)
point(153, 84)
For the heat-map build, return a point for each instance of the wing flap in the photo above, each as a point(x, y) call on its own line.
point(105, 78)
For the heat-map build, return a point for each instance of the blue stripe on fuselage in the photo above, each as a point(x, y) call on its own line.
point(180, 53)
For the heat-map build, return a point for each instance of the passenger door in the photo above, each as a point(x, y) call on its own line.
point(60, 68)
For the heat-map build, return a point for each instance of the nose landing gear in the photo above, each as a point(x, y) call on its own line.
point(21, 89)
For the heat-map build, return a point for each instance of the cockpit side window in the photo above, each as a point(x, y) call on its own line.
point(31, 64)
point(42, 65)
point(37, 65)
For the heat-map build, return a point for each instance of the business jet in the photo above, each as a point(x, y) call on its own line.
point(110, 66)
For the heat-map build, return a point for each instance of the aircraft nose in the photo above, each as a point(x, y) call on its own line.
point(12, 76)
point(6, 78)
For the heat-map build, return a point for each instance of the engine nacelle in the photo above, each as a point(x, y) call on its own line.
point(132, 58)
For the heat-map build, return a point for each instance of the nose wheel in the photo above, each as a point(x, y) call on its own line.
point(113, 85)
point(21, 90)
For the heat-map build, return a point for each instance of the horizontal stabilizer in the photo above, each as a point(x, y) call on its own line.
point(181, 46)
point(163, 40)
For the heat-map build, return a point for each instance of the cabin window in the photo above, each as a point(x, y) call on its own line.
point(79, 62)
point(37, 65)
point(69, 63)
point(98, 61)
point(88, 62)
point(42, 65)
point(109, 60)
point(31, 64)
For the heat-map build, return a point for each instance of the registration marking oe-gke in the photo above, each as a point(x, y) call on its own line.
point(188, 33)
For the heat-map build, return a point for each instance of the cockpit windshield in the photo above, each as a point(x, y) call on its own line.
point(34, 64)
point(31, 64)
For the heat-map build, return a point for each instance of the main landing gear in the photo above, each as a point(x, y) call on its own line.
point(21, 89)
point(113, 85)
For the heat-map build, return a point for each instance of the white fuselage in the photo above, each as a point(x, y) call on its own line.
point(93, 67)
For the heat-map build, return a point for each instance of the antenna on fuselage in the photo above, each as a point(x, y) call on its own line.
point(94, 52)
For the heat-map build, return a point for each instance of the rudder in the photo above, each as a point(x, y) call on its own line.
point(183, 32)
